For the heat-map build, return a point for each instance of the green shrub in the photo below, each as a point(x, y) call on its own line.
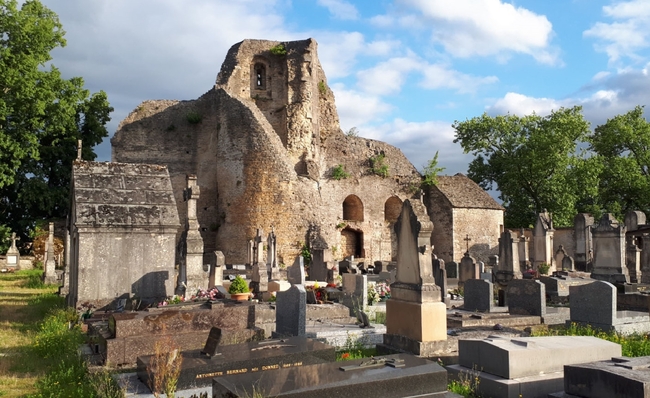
point(238, 286)
point(378, 165)
point(279, 50)
point(322, 88)
point(543, 268)
point(338, 173)
point(431, 171)
point(193, 117)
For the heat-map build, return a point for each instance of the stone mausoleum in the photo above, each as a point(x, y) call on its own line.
point(264, 143)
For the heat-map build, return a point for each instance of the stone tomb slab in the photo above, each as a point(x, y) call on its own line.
point(619, 377)
point(407, 376)
point(530, 366)
point(198, 369)
point(465, 319)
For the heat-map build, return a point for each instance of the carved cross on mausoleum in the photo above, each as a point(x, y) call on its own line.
point(467, 240)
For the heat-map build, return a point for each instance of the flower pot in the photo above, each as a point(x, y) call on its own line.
point(240, 296)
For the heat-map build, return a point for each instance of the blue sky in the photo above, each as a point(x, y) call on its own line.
point(402, 71)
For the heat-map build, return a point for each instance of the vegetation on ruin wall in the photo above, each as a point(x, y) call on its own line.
point(632, 345)
point(42, 115)
point(39, 348)
point(556, 162)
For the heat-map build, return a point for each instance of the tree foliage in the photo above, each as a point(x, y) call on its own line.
point(42, 115)
point(531, 160)
point(430, 172)
point(622, 146)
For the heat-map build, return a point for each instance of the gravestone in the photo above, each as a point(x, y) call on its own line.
point(49, 275)
point(619, 377)
point(321, 255)
point(543, 241)
point(296, 273)
point(399, 375)
point(633, 221)
point(526, 297)
point(198, 370)
point(355, 292)
point(13, 255)
point(219, 265)
point(523, 249)
point(582, 224)
point(528, 367)
point(509, 255)
point(251, 252)
point(568, 264)
point(609, 251)
point(196, 277)
point(211, 348)
point(468, 269)
point(416, 319)
point(478, 295)
point(645, 258)
point(290, 312)
point(260, 278)
point(347, 267)
point(387, 276)
point(452, 269)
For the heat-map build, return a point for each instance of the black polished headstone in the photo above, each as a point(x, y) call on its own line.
point(212, 344)
point(401, 375)
point(198, 370)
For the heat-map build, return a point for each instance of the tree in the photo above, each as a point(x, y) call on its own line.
point(42, 116)
point(622, 146)
point(531, 160)
point(430, 172)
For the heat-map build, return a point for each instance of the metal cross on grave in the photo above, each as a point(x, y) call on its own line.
point(467, 240)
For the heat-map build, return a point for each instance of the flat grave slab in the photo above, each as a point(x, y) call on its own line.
point(619, 377)
point(401, 375)
point(199, 369)
point(464, 319)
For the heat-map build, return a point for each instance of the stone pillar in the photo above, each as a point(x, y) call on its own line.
point(196, 276)
point(633, 220)
point(509, 255)
point(416, 317)
point(251, 253)
point(582, 224)
point(272, 256)
point(543, 238)
point(645, 258)
point(609, 251)
point(13, 255)
point(219, 265)
point(523, 249)
point(49, 275)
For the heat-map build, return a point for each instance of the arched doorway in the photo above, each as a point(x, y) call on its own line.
point(352, 208)
point(352, 243)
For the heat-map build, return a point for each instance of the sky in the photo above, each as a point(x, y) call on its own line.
point(402, 71)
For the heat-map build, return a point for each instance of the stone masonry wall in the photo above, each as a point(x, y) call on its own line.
point(483, 227)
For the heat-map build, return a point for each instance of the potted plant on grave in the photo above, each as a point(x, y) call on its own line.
point(239, 289)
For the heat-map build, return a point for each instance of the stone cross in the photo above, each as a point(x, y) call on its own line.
point(270, 249)
point(259, 246)
point(13, 255)
point(467, 240)
point(251, 251)
point(50, 265)
point(195, 275)
point(13, 239)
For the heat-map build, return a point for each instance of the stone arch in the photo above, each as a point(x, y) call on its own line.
point(392, 209)
point(352, 243)
point(260, 76)
point(353, 208)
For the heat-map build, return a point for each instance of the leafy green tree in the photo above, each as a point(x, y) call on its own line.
point(531, 160)
point(42, 116)
point(622, 146)
point(430, 172)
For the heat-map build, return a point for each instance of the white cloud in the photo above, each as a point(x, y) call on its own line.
point(356, 108)
point(419, 141)
point(519, 104)
point(625, 36)
point(486, 27)
point(340, 9)
point(439, 76)
point(337, 63)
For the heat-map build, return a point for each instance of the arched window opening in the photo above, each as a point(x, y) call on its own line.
point(353, 208)
point(392, 209)
point(260, 76)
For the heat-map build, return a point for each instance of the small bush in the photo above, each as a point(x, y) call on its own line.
point(165, 367)
point(193, 117)
point(431, 171)
point(543, 268)
point(338, 173)
point(322, 88)
point(238, 286)
point(378, 165)
point(279, 50)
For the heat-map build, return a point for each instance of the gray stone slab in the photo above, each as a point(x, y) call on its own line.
point(479, 295)
point(531, 356)
point(526, 297)
point(290, 311)
point(618, 377)
point(593, 303)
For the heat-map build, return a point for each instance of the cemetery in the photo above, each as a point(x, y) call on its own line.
point(240, 278)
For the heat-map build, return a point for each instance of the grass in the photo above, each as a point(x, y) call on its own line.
point(353, 349)
point(38, 349)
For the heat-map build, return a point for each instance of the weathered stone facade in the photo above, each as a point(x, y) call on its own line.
point(464, 216)
point(264, 143)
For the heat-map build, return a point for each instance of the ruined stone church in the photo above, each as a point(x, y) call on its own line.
point(264, 144)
